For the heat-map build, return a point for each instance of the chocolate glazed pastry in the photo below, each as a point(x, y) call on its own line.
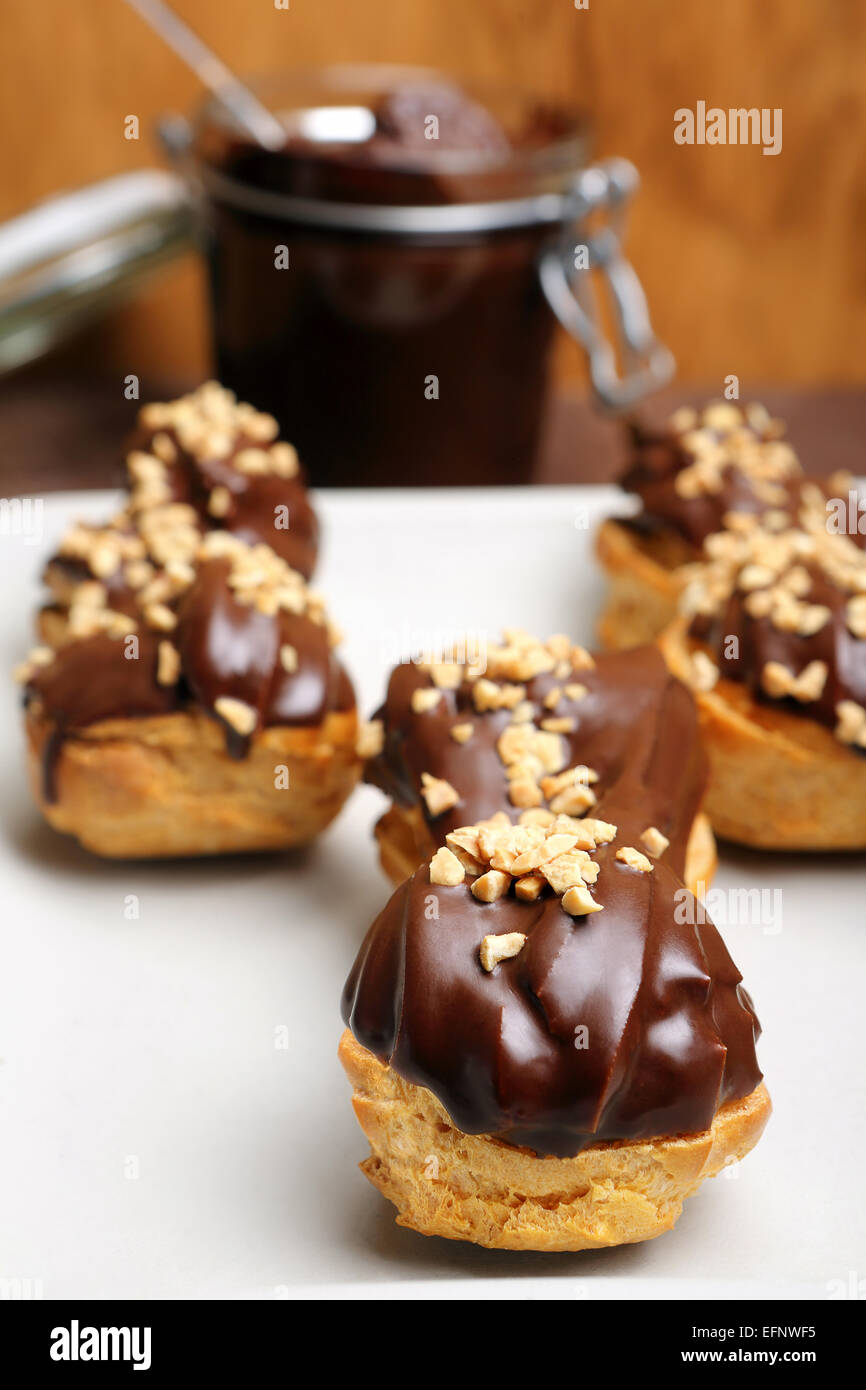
point(546, 1053)
point(545, 729)
point(223, 459)
point(204, 462)
point(774, 644)
point(709, 471)
point(203, 713)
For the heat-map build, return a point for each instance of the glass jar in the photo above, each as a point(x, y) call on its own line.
point(387, 283)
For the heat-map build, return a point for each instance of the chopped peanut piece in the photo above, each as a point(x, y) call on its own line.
point(462, 733)
point(160, 617)
point(523, 713)
point(809, 685)
point(237, 714)
point(634, 859)
point(524, 793)
point(562, 724)
point(168, 664)
point(219, 502)
point(529, 888)
point(371, 739)
point(425, 699)
point(492, 886)
point(656, 843)
point(445, 868)
point(579, 902)
point(575, 691)
point(565, 871)
point(439, 795)
point(573, 801)
point(497, 948)
point(488, 695)
point(289, 658)
point(855, 616)
point(704, 673)
point(446, 675)
point(601, 830)
point(538, 854)
point(851, 725)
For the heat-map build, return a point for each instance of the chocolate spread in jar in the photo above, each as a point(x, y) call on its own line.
point(401, 359)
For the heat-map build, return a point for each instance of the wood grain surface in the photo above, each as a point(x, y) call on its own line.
point(753, 264)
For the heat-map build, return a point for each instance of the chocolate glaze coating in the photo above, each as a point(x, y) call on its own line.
point(759, 641)
point(636, 726)
point(657, 457)
point(230, 648)
point(225, 647)
point(670, 1030)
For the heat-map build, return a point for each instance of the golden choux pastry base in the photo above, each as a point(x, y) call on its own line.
point(470, 1187)
point(777, 780)
point(164, 786)
point(405, 843)
point(643, 587)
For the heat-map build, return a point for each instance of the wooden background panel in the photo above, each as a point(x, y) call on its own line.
point(754, 265)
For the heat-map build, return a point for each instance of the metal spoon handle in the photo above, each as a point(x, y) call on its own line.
point(246, 109)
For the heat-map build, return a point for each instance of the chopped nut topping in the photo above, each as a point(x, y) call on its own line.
point(553, 697)
point(704, 673)
point(565, 870)
point(370, 740)
point(579, 902)
point(425, 699)
point(581, 659)
point(496, 948)
point(851, 725)
point(168, 664)
point(158, 616)
point(855, 616)
point(37, 658)
point(284, 460)
point(656, 843)
point(439, 795)
point(492, 886)
point(220, 502)
point(488, 695)
point(779, 682)
point(237, 714)
point(462, 733)
point(252, 462)
point(289, 658)
point(445, 868)
point(524, 793)
point(575, 691)
point(560, 725)
point(529, 888)
point(523, 713)
point(446, 675)
point(634, 859)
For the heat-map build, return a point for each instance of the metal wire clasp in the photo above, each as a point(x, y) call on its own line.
point(635, 362)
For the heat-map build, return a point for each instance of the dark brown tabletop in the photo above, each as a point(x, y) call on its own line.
point(57, 432)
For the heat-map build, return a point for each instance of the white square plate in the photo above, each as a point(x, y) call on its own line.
point(157, 1139)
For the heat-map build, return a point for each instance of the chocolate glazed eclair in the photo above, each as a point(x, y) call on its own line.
point(773, 641)
point(187, 698)
point(708, 471)
point(543, 729)
point(229, 725)
point(547, 1051)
